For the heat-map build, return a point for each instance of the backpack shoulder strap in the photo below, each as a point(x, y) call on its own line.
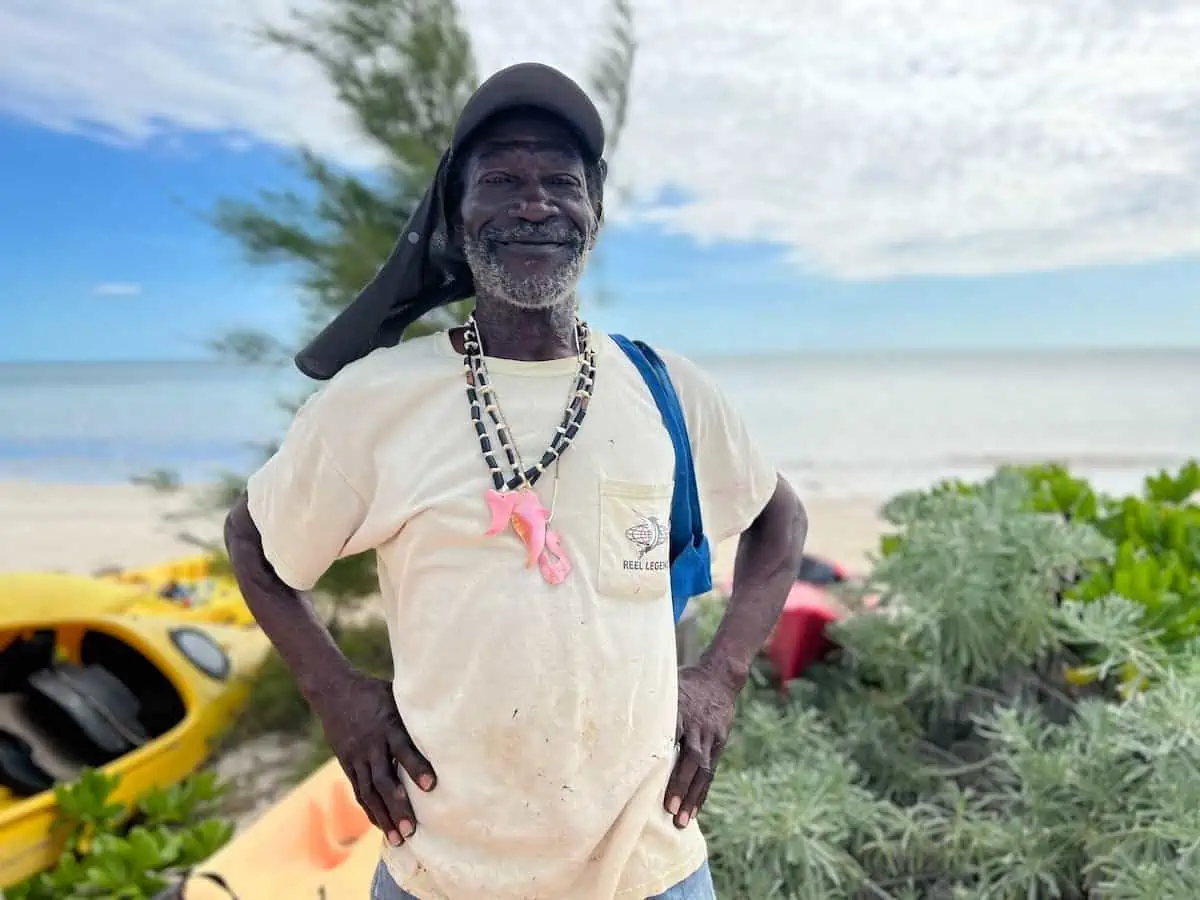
point(690, 555)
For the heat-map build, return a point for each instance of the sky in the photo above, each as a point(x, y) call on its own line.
point(802, 175)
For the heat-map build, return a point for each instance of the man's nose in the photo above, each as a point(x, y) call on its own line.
point(534, 205)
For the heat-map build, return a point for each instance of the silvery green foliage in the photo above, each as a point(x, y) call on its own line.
point(944, 752)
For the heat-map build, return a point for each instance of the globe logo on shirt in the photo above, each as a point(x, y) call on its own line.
point(647, 534)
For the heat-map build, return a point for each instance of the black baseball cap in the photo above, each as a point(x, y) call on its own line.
point(536, 86)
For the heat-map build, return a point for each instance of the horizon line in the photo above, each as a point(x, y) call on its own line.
point(1073, 349)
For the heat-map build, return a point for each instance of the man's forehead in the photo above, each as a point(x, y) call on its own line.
point(531, 131)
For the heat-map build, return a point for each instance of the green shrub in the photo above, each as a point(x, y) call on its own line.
point(115, 851)
point(944, 752)
point(1156, 536)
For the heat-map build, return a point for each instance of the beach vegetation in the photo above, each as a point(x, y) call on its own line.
point(128, 851)
point(945, 750)
point(1155, 536)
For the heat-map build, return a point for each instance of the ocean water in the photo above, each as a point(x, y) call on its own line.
point(849, 424)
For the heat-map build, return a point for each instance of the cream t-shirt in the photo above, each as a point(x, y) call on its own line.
point(548, 712)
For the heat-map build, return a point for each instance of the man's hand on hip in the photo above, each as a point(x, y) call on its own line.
point(372, 744)
point(769, 554)
point(705, 716)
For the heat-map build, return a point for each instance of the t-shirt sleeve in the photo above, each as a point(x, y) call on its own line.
point(734, 477)
point(309, 501)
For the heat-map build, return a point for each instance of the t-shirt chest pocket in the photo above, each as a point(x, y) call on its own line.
point(635, 528)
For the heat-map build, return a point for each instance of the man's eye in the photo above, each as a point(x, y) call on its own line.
point(497, 178)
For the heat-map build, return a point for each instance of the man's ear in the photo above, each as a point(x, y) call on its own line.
point(597, 222)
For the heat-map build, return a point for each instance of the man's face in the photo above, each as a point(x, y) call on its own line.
point(527, 221)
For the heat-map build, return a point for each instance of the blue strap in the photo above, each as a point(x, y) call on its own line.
point(690, 555)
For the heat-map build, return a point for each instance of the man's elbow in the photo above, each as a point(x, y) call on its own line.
point(240, 530)
point(794, 518)
point(233, 519)
point(783, 523)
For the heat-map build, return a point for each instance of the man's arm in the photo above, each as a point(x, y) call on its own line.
point(285, 615)
point(358, 713)
point(763, 573)
point(768, 556)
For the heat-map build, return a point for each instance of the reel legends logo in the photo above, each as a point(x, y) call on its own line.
point(648, 534)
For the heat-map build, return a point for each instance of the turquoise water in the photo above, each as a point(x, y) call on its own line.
point(866, 423)
point(105, 422)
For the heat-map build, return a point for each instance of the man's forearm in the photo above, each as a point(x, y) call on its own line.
point(286, 616)
point(768, 557)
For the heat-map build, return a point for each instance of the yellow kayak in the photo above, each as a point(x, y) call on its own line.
point(139, 696)
point(192, 589)
point(52, 595)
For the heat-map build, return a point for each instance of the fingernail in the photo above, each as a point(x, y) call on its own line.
point(683, 820)
point(406, 828)
point(393, 838)
point(426, 782)
point(673, 805)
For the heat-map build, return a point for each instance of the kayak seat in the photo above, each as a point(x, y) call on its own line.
point(33, 756)
point(92, 706)
point(19, 771)
point(159, 705)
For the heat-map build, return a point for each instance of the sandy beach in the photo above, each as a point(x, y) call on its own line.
point(83, 528)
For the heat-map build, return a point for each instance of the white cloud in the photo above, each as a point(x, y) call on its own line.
point(117, 289)
point(873, 138)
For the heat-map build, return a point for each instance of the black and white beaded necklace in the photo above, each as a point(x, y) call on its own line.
point(482, 397)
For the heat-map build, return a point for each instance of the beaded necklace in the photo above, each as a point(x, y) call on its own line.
point(512, 500)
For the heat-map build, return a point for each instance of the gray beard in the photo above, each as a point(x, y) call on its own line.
point(540, 291)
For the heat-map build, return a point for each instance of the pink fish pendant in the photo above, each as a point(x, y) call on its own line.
point(530, 521)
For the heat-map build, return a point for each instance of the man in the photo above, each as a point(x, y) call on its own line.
point(537, 739)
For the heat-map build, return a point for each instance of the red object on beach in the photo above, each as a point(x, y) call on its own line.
point(799, 639)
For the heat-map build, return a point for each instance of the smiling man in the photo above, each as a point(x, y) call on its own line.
point(514, 477)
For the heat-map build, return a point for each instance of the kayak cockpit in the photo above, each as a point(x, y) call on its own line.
point(75, 698)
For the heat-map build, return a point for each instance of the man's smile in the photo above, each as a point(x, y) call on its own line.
point(533, 247)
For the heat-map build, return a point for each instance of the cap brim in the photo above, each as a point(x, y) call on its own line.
point(538, 86)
